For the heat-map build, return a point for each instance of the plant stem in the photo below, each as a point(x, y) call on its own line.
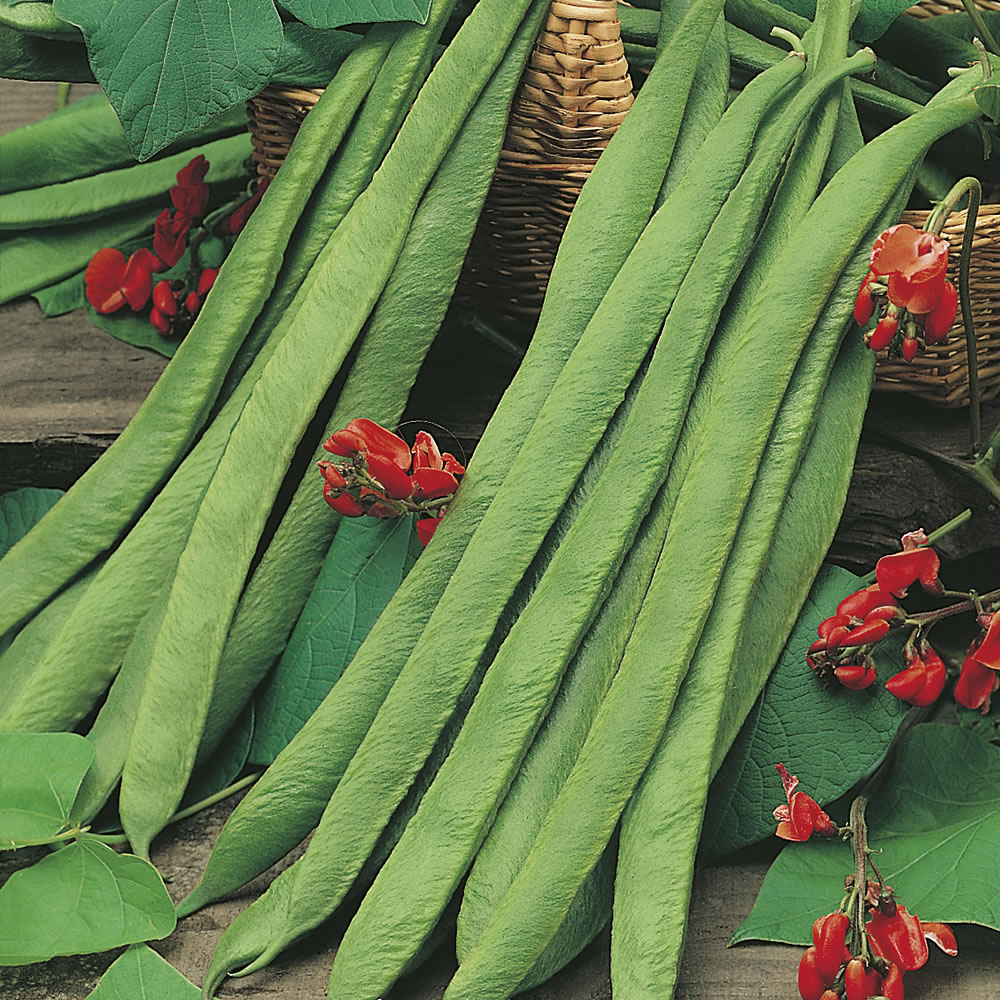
point(860, 846)
point(956, 522)
point(211, 800)
point(981, 29)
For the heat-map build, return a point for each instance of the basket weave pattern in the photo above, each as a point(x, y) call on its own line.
point(940, 373)
point(275, 116)
point(572, 97)
point(928, 8)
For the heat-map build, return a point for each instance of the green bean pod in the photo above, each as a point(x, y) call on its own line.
point(287, 802)
point(36, 258)
point(355, 265)
point(85, 138)
point(91, 516)
point(145, 184)
point(633, 714)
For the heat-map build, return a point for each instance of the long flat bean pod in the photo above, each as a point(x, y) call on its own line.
point(85, 138)
point(38, 257)
point(289, 799)
point(91, 516)
point(355, 264)
point(632, 716)
point(146, 184)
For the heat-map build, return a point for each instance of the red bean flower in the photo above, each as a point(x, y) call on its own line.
point(896, 572)
point(988, 649)
point(190, 193)
point(906, 285)
point(902, 938)
point(915, 263)
point(802, 816)
point(235, 223)
point(923, 680)
point(170, 233)
point(112, 281)
point(976, 684)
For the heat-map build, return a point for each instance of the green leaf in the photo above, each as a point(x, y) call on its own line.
point(81, 899)
point(310, 57)
point(334, 13)
point(988, 99)
point(40, 774)
point(169, 66)
point(829, 737)
point(141, 974)
point(20, 509)
point(936, 821)
point(63, 296)
point(366, 563)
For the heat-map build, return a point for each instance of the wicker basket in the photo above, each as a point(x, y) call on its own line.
point(928, 8)
point(275, 116)
point(573, 96)
point(940, 373)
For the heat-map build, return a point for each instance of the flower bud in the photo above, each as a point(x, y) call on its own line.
point(884, 332)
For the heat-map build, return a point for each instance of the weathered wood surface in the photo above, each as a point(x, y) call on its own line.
point(66, 390)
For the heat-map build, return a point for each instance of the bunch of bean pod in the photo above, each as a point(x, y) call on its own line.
point(524, 741)
point(403, 770)
point(116, 609)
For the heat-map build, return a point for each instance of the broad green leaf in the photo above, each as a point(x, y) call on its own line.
point(365, 564)
point(169, 66)
point(936, 821)
point(829, 737)
point(141, 974)
point(20, 509)
point(40, 774)
point(334, 13)
point(81, 899)
point(62, 297)
point(310, 56)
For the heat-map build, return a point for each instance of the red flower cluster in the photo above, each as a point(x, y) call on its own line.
point(895, 943)
point(845, 639)
point(801, 816)
point(386, 478)
point(111, 281)
point(843, 649)
point(906, 284)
